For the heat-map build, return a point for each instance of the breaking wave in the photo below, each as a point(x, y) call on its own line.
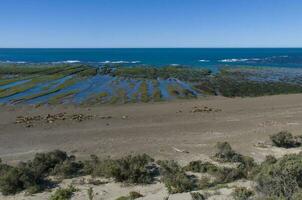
point(12, 62)
point(120, 62)
point(231, 60)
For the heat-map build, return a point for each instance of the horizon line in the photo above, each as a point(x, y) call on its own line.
point(150, 47)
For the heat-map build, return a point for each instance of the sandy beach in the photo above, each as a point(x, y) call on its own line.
point(182, 130)
point(159, 129)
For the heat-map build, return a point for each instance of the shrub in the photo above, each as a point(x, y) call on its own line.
point(63, 193)
point(31, 175)
point(130, 169)
point(204, 183)
point(68, 169)
point(201, 167)
point(242, 193)
point(132, 195)
point(282, 178)
point(17, 179)
point(174, 178)
point(197, 196)
point(135, 195)
point(225, 153)
point(285, 139)
point(226, 175)
point(222, 174)
point(10, 182)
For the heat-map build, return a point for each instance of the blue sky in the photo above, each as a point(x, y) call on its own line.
point(151, 23)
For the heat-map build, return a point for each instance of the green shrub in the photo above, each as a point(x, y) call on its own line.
point(226, 175)
point(17, 179)
point(282, 178)
point(63, 193)
point(285, 139)
point(135, 195)
point(242, 193)
point(197, 196)
point(31, 175)
point(225, 153)
point(222, 174)
point(201, 167)
point(10, 182)
point(131, 169)
point(174, 178)
point(68, 169)
point(204, 183)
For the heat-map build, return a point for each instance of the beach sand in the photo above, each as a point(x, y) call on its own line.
point(166, 130)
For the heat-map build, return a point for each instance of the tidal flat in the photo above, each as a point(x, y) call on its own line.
point(83, 84)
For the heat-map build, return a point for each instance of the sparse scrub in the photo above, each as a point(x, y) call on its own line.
point(225, 153)
point(31, 176)
point(175, 178)
point(242, 193)
point(132, 195)
point(285, 139)
point(131, 169)
point(201, 167)
point(63, 193)
point(197, 196)
point(282, 178)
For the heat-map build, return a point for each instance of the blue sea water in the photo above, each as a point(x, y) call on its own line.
point(212, 58)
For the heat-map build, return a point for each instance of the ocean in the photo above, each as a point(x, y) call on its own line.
point(212, 58)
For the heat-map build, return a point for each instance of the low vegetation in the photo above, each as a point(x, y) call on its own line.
point(281, 178)
point(130, 169)
point(63, 193)
point(197, 196)
point(132, 195)
point(286, 140)
point(181, 73)
point(242, 193)
point(175, 178)
point(275, 178)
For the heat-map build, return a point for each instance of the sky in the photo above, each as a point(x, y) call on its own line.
point(150, 23)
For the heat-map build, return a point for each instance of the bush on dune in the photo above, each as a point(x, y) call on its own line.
point(63, 193)
point(225, 153)
point(32, 175)
point(282, 178)
point(197, 196)
point(132, 195)
point(285, 139)
point(175, 178)
point(131, 169)
point(242, 193)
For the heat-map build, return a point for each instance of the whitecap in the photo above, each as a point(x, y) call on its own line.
point(203, 60)
point(15, 62)
point(71, 61)
point(120, 62)
point(238, 60)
